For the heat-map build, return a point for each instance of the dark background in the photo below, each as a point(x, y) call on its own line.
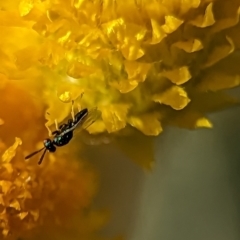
point(193, 192)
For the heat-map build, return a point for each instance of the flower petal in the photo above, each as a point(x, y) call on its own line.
point(219, 52)
point(157, 32)
point(205, 20)
point(175, 97)
point(124, 85)
point(115, 117)
point(148, 123)
point(10, 153)
point(192, 45)
point(178, 76)
point(217, 80)
point(25, 6)
point(171, 24)
point(192, 120)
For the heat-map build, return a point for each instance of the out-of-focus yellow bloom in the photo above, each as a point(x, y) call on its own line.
point(47, 201)
point(38, 197)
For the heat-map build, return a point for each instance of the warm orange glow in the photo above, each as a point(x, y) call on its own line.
point(144, 64)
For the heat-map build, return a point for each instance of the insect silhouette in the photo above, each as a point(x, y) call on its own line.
point(64, 133)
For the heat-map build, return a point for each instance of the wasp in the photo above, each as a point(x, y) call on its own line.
point(64, 132)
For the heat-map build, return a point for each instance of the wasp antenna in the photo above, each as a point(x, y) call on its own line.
point(41, 159)
point(32, 154)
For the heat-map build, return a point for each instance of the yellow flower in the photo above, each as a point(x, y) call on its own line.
point(144, 64)
point(51, 199)
point(33, 196)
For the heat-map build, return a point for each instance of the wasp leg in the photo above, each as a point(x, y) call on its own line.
point(79, 105)
point(56, 124)
point(56, 132)
point(63, 127)
point(72, 112)
point(49, 131)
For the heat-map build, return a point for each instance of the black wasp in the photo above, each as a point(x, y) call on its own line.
point(64, 133)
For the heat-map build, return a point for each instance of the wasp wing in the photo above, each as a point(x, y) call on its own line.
point(93, 115)
point(85, 122)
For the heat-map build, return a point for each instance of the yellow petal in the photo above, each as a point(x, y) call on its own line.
point(219, 52)
point(68, 91)
point(148, 123)
point(156, 10)
point(157, 32)
point(114, 116)
point(80, 70)
point(124, 85)
point(217, 80)
point(178, 76)
point(205, 20)
point(203, 122)
point(226, 22)
point(11, 152)
point(175, 97)
point(136, 70)
point(191, 120)
point(6, 185)
point(115, 30)
point(132, 51)
point(52, 15)
point(8, 167)
point(22, 215)
point(26, 194)
point(138, 148)
point(192, 45)
point(53, 113)
point(35, 214)
point(126, 37)
point(15, 204)
point(25, 6)
point(97, 127)
point(171, 24)
point(182, 6)
point(65, 96)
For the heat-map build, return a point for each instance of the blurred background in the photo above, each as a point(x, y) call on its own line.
point(192, 193)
